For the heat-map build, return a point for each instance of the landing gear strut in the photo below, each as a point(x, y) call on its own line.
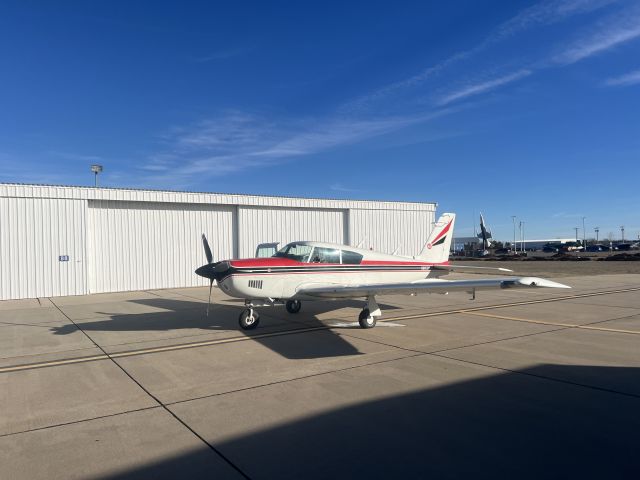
point(293, 306)
point(249, 319)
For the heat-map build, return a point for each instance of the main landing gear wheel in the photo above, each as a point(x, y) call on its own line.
point(293, 306)
point(366, 320)
point(249, 319)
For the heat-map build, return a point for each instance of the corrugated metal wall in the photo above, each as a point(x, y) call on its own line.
point(259, 225)
point(388, 230)
point(143, 245)
point(124, 239)
point(34, 233)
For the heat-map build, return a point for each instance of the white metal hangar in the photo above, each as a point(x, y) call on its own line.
point(65, 240)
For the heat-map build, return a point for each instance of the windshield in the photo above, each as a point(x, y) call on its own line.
point(295, 251)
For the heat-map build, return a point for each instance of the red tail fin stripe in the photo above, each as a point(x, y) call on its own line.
point(442, 233)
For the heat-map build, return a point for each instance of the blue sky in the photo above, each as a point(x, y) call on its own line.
point(506, 107)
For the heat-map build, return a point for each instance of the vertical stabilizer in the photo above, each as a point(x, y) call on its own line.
point(437, 247)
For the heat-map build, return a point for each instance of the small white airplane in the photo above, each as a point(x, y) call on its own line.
point(324, 271)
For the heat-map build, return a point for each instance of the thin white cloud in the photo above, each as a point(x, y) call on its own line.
point(567, 215)
point(615, 31)
point(540, 14)
point(481, 87)
point(239, 142)
point(338, 187)
point(75, 156)
point(631, 78)
point(547, 13)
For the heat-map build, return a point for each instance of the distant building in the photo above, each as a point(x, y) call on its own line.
point(460, 244)
point(539, 244)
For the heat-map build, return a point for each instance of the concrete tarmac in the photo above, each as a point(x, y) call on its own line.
point(534, 383)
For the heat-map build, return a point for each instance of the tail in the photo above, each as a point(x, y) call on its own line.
point(437, 248)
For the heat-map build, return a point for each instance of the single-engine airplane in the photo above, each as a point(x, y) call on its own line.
point(307, 270)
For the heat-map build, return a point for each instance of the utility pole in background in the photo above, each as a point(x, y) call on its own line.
point(513, 217)
point(584, 235)
point(622, 232)
point(597, 229)
point(520, 227)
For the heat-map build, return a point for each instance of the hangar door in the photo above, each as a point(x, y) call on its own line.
point(262, 224)
point(42, 247)
point(142, 245)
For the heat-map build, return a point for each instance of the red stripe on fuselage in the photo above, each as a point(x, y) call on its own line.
point(287, 262)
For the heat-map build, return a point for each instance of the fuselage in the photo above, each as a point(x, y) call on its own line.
point(315, 264)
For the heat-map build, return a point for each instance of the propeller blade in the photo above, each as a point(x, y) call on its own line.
point(207, 250)
point(209, 302)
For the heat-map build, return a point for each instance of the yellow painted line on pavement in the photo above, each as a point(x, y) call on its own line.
point(515, 304)
point(556, 324)
point(145, 351)
point(183, 346)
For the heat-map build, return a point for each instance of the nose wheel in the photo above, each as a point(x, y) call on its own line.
point(249, 319)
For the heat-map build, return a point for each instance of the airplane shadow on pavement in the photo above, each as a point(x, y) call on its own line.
point(179, 315)
point(546, 421)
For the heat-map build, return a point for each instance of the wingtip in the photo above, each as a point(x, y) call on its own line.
point(542, 282)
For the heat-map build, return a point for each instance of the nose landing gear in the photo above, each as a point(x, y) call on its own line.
point(249, 319)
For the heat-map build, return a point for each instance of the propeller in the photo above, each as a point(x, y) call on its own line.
point(209, 255)
point(207, 250)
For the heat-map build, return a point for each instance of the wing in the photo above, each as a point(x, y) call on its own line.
point(425, 286)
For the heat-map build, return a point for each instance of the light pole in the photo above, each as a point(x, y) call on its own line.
point(513, 217)
point(597, 229)
point(96, 169)
point(584, 235)
point(523, 246)
point(520, 234)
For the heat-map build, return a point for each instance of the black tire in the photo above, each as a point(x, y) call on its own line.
point(365, 320)
point(293, 306)
point(246, 321)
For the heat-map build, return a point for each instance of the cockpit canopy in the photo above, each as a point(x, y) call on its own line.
point(302, 252)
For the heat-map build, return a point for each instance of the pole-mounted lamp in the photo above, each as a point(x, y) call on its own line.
point(96, 169)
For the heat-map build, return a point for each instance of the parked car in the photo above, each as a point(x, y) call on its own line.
point(597, 248)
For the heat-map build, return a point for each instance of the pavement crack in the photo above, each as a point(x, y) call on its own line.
point(83, 420)
point(294, 379)
point(544, 377)
point(156, 399)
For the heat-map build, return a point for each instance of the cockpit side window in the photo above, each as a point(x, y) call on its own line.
point(325, 255)
point(351, 258)
point(295, 251)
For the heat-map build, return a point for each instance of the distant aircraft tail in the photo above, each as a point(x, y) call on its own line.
point(485, 233)
point(437, 247)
